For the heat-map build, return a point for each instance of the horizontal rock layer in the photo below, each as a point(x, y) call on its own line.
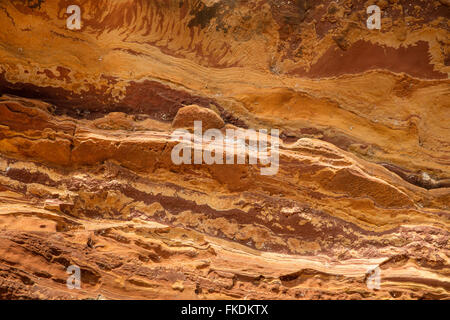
point(86, 176)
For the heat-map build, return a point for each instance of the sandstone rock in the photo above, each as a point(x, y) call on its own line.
point(86, 174)
point(178, 286)
point(186, 117)
point(52, 205)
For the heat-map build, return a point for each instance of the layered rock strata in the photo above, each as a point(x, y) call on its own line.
point(87, 177)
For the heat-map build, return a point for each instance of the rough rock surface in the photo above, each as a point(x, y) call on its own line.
point(187, 116)
point(86, 176)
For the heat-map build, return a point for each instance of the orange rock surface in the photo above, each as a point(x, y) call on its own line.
point(86, 176)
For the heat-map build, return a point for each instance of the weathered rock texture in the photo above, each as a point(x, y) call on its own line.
point(86, 176)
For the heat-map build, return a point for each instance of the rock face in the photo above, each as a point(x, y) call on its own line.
point(187, 116)
point(87, 179)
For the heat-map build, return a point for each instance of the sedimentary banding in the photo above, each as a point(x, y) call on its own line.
point(87, 179)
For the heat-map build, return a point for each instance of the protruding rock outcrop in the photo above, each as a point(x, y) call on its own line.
point(187, 116)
